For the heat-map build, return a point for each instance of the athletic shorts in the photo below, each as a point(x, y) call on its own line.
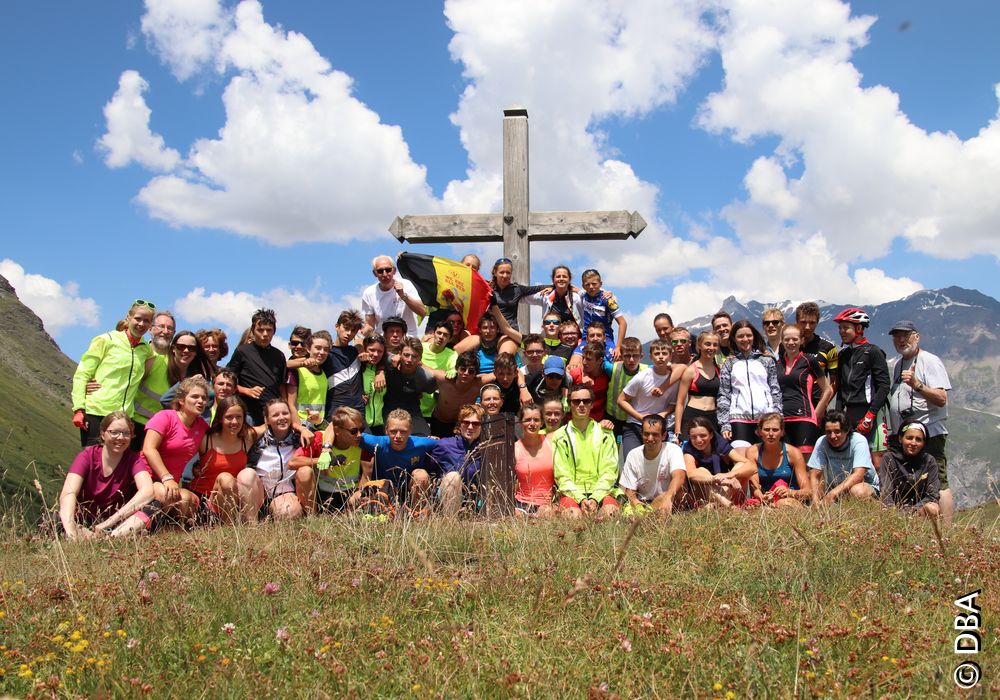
point(746, 431)
point(802, 433)
point(567, 502)
point(689, 415)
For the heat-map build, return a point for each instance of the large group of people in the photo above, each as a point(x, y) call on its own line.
point(379, 417)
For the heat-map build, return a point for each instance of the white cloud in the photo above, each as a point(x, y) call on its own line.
point(233, 309)
point(186, 34)
point(299, 157)
point(58, 305)
point(128, 138)
point(869, 175)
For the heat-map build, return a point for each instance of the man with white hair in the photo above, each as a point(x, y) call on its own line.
point(390, 296)
point(919, 393)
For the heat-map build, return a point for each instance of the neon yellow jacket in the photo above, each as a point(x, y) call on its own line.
point(585, 465)
point(112, 362)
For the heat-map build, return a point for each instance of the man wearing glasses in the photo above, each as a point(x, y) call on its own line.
point(585, 461)
point(390, 296)
point(154, 382)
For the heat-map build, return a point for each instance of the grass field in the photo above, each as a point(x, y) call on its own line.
point(849, 602)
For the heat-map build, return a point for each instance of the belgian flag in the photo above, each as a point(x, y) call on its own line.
point(447, 284)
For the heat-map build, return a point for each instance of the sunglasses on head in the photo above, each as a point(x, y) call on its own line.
point(503, 261)
point(143, 302)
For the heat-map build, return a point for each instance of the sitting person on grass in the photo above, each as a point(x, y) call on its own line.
point(910, 473)
point(106, 485)
point(336, 454)
point(585, 461)
point(781, 479)
point(840, 465)
point(457, 460)
point(273, 485)
point(653, 476)
point(398, 461)
point(222, 456)
point(717, 472)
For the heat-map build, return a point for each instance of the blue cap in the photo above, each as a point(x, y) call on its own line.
point(554, 365)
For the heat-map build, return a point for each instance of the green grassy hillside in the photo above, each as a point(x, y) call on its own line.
point(35, 428)
point(850, 602)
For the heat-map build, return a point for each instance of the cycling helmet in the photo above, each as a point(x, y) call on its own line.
point(853, 315)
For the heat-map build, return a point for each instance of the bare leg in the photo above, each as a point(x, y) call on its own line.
point(947, 508)
point(286, 507)
point(251, 494)
point(305, 489)
point(226, 498)
point(451, 494)
point(420, 486)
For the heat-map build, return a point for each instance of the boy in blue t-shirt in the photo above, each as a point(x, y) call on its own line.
point(599, 306)
point(399, 458)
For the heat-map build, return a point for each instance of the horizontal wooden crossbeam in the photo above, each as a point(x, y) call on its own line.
point(542, 226)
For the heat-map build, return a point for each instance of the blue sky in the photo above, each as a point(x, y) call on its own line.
point(258, 152)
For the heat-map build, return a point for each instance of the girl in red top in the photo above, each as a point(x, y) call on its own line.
point(223, 455)
point(533, 467)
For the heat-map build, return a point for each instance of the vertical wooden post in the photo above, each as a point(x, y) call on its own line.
point(515, 200)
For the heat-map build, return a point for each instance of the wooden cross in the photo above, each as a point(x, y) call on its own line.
point(518, 226)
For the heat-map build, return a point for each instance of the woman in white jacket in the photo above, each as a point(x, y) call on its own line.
point(748, 385)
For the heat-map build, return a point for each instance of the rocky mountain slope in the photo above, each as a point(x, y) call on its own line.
point(36, 436)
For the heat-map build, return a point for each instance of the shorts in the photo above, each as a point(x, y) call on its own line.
point(802, 433)
point(746, 431)
point(567, 502)
point(855, 414)
point(690, 413)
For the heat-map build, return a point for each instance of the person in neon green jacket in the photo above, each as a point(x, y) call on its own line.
point(585, 461)
point(115, 361)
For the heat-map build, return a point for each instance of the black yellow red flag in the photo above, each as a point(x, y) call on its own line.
point(447, 284)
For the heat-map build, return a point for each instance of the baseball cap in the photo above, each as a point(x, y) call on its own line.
point(554, 365)
point(393, 321)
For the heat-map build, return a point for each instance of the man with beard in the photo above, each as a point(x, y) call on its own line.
point(919, 393)
point(154, 382)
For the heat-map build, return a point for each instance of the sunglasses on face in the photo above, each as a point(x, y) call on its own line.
point(551, 322)
point(469, 423)
point(580, 402)
point(680, 341)
point(382, 270)
point(181, 347)
point(353, 431)
point(772, 323)
point(295, 343)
